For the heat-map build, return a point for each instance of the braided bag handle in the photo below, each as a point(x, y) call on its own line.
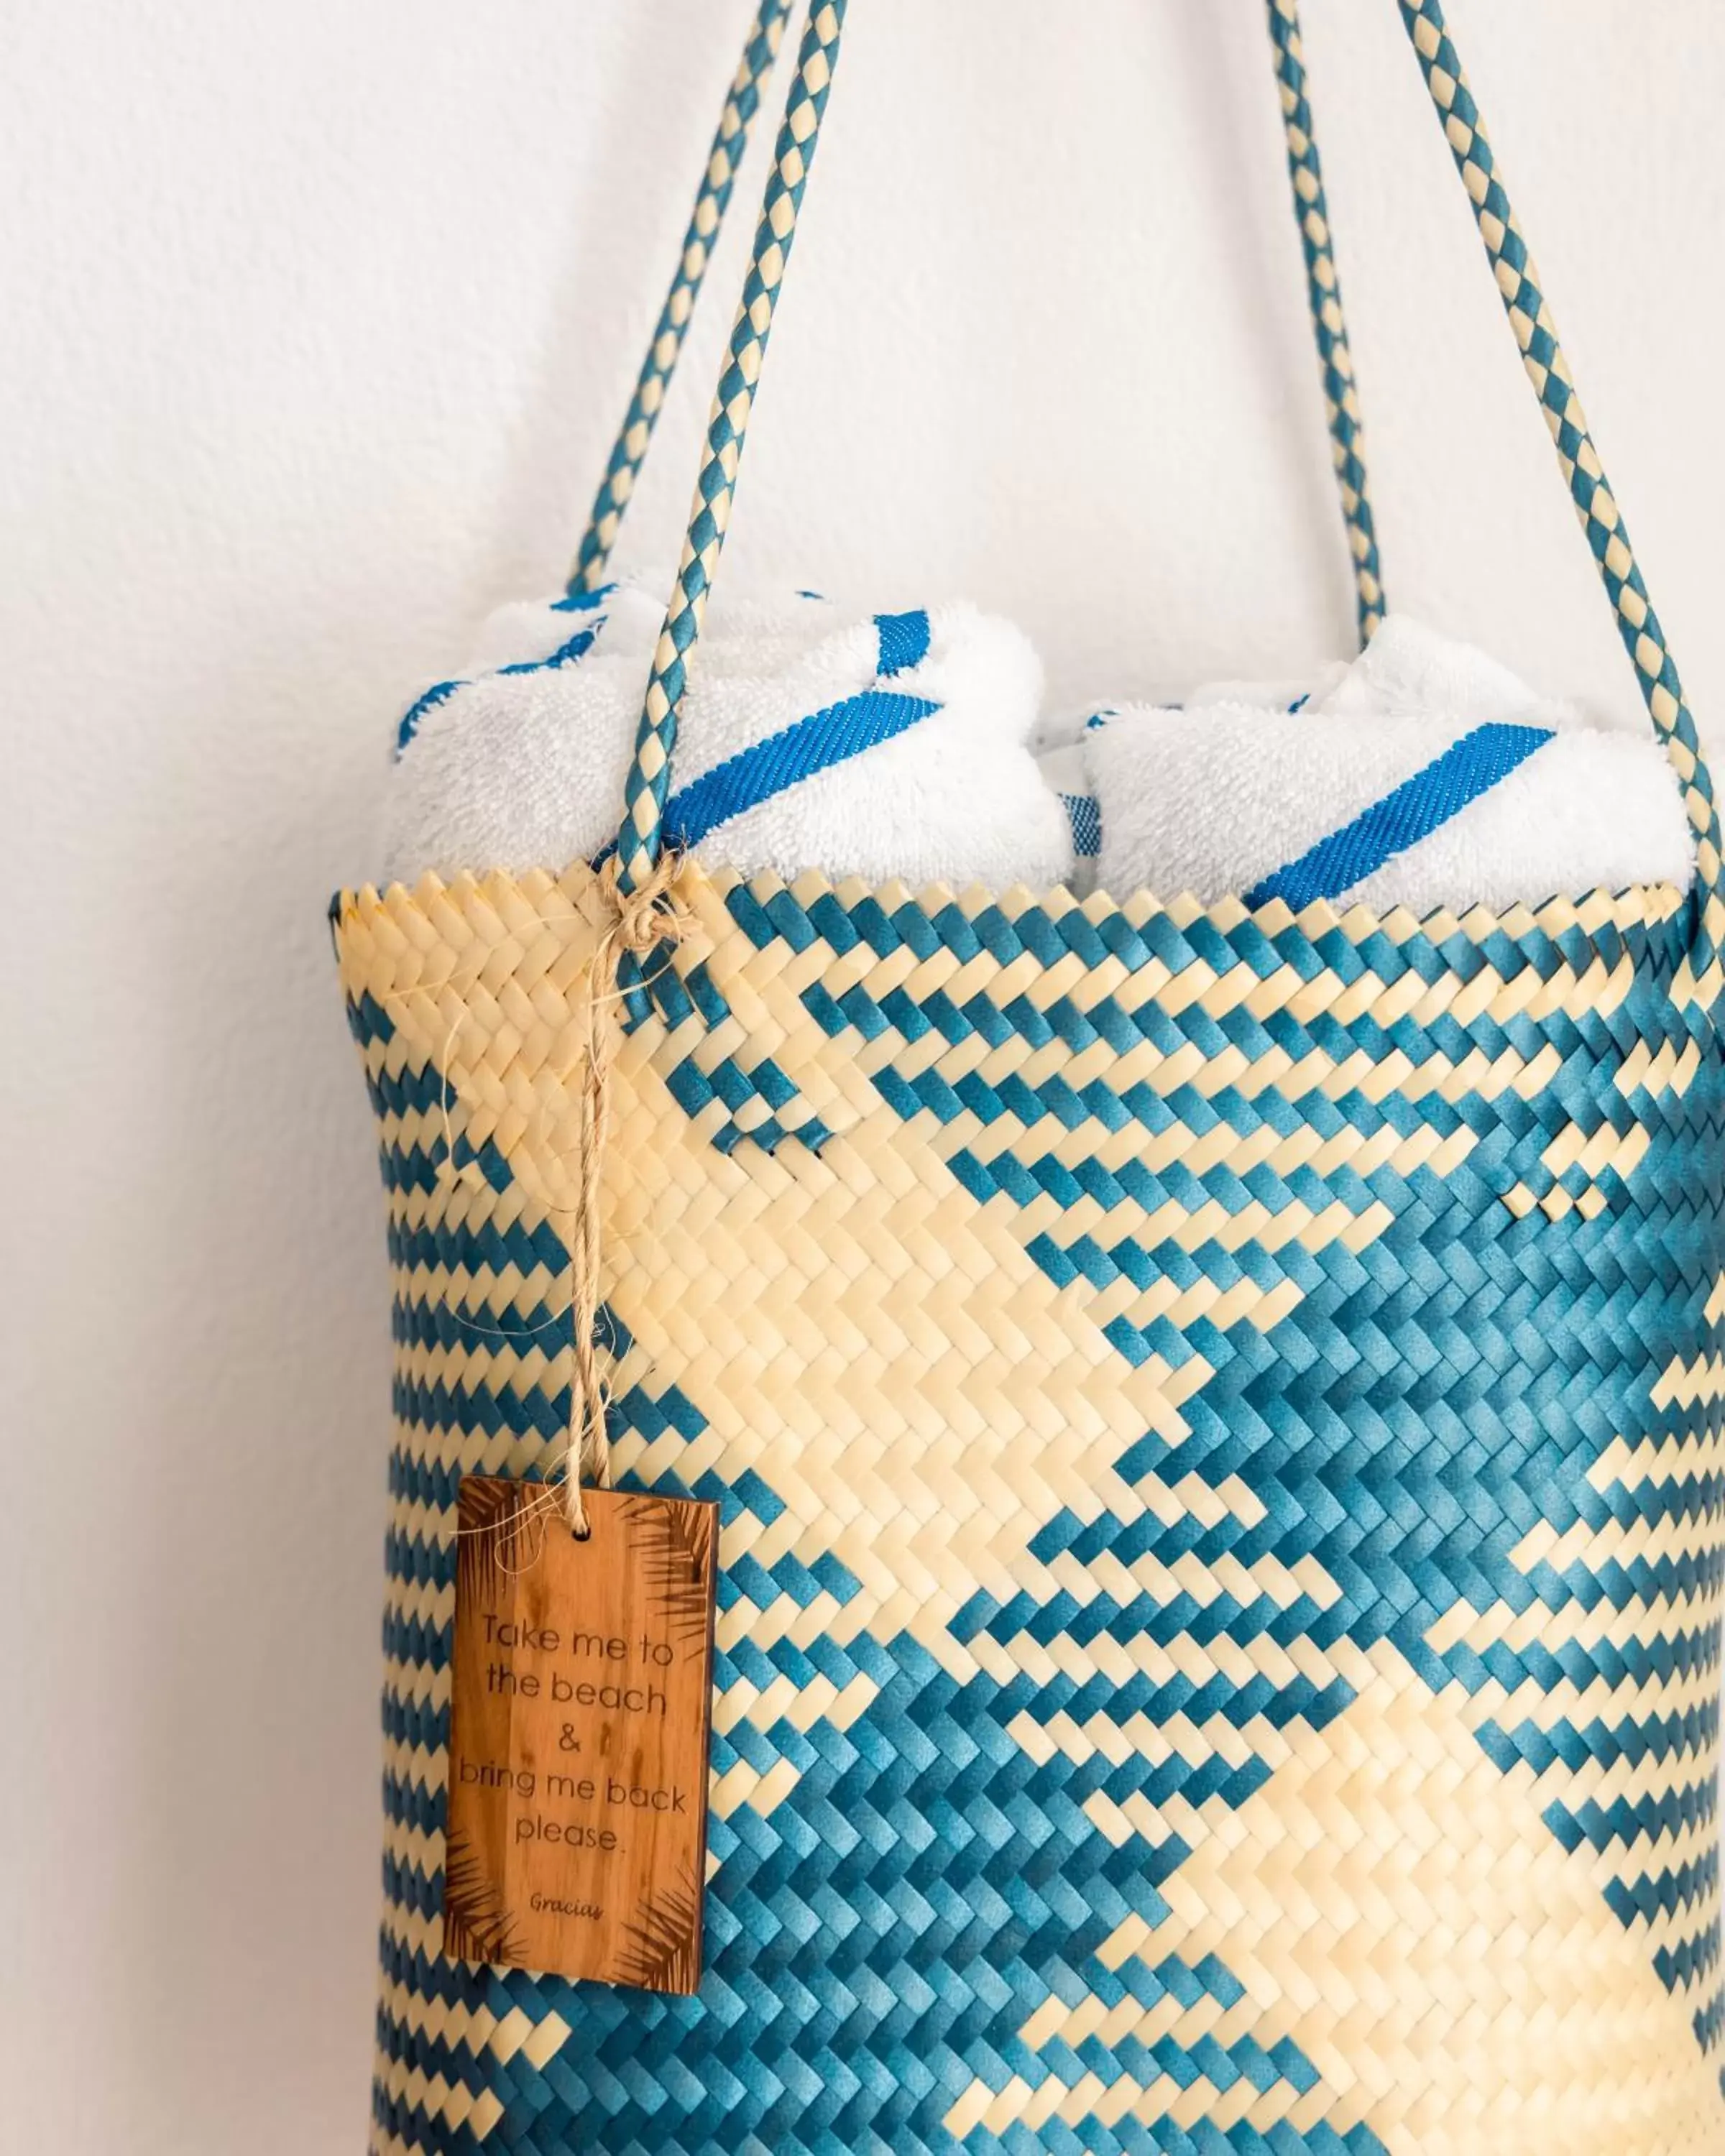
point(708, 218)
point(640, 838)
point(641, 835)
point(1323, 287)
point(705, 221)
point(1595, 505)
point(647, 785)
point(1329, 329)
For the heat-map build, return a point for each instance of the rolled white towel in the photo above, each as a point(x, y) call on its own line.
point(1290, 693)
point(1425, 777)
point(891, 745)
point(1408, 668)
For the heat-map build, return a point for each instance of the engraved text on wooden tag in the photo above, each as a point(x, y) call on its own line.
point(577, 1824)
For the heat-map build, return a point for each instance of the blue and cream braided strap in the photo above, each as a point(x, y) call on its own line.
point(706, 220)
point(1323, 286)
point(648, 782)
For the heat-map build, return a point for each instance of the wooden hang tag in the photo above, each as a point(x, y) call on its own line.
point(580, 1727)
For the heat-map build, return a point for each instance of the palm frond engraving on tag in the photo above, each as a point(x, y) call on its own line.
point(489, 1550)
point(477, 1927)
point(673, 1545)
point(660, 1945)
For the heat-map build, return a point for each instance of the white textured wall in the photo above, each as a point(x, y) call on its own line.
point(318, 318)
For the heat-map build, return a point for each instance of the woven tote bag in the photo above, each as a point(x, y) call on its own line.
point(1216, 1419)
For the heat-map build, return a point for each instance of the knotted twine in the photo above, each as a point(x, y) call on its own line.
point(639, 921)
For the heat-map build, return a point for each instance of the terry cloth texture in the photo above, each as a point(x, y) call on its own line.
point(894, 745)
point(1425, 775)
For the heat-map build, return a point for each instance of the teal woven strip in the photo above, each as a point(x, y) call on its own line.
point(718, 179)
point(644, 800)
point(1542, 355)
point(1328, 324)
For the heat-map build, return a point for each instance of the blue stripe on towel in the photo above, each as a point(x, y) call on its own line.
point(1084, 812)
point(439, 693)
point(566, 654)
point(754, 775)
point(578, 647)
point(581, 601)
point(1466, 769)
point(904, 642)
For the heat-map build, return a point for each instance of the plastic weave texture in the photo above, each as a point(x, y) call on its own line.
point(1217, 1421)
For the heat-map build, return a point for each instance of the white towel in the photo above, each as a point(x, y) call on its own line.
point(1425, 775)
point(1291, 694)
point(889, 747)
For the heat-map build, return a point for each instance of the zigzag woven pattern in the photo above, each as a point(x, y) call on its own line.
point(1217, 1417)
point(1328, 324)
point(712, 202)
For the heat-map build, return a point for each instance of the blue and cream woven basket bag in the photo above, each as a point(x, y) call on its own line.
point(1216, 1415)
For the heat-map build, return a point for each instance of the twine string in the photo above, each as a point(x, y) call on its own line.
point(640, 920)
point(639, 923)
